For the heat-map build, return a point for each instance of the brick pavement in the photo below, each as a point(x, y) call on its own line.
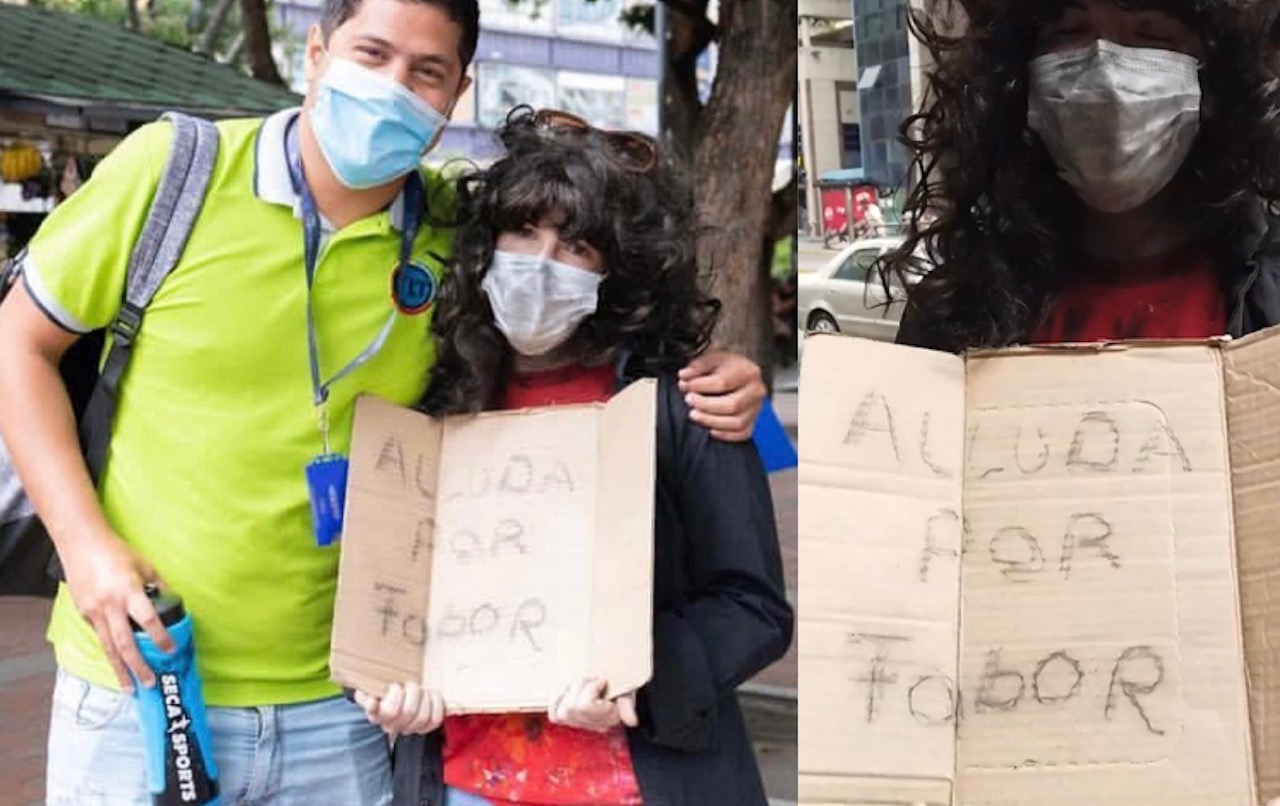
point(26, 684)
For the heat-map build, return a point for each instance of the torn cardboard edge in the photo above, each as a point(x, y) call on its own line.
point(1106, 346)
point(536, 525)
point(1252, 513)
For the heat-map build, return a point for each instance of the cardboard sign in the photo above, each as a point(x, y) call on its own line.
point(1040, 577)
point(499, 557)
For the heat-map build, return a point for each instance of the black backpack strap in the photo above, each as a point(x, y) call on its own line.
point(155, 254)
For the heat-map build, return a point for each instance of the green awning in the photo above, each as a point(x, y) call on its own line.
point(74, 61)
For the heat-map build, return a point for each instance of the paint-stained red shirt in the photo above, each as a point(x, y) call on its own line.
point(1177, 295)
point(522, 758)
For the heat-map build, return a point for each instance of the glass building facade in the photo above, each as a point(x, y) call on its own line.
point(884, 93)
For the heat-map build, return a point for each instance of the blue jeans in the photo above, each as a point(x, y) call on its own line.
point(322, 752)
point(456, 797)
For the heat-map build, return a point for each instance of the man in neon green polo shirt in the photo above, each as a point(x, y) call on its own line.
point(223, 404)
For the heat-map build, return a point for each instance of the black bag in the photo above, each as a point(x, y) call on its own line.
point(28, 563)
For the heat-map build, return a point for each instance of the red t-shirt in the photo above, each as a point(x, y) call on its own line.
point(522, 758)
point(1177, 295)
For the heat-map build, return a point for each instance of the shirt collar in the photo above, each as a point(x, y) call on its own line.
point(271, 180)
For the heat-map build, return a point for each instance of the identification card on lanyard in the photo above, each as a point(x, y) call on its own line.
point(326, 474)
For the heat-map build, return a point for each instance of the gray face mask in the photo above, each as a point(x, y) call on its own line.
point(1119, 122)
point(538, 302)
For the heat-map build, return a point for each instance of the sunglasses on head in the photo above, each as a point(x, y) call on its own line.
point(636, 151)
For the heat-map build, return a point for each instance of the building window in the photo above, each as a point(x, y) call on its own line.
point(851, 145)
point(577, 12)
point(600, 100)
point(502, 86)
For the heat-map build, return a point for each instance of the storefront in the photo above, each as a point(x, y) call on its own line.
point(71, 87)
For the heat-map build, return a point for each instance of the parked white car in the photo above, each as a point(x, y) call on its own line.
point(847, 294)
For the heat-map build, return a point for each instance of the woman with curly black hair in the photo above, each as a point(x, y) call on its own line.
point(1094, 170)
point(575, 272)
point(608, 204)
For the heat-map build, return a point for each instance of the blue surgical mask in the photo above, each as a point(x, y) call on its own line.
point(371, 129)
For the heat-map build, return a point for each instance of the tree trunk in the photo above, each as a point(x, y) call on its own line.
point(217, 20)
point(135, 20)
point(257, 41)
point(734, 159)
point(689, 34)
point(232, 56)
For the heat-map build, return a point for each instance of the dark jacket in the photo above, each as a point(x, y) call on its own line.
point(1250, 278)
point(720, 616)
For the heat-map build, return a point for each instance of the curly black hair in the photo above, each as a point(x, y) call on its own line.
point(641, 222)
point(988, 208)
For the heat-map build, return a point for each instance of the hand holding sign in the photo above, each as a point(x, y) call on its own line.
point(583, 706)
point(725, 393)
point(407, 708)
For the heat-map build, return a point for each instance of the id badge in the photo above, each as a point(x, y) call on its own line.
point(327, 484)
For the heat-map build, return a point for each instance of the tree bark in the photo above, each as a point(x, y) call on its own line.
point(257, 41)
point(232, 56)
point(135, 20)
point(734, 157)
point(217, 20)
point(689, 35)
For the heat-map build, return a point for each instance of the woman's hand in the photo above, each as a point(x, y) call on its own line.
point(583, 706)
point(407, 708)
point(725, 393)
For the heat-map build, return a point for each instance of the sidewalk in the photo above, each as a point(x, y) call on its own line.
point(27, 670)
point(26, 684)
point(810, 244)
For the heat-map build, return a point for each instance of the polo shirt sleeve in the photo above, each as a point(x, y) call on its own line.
point(77, 263)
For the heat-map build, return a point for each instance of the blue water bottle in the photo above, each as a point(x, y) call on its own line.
point(175, 729)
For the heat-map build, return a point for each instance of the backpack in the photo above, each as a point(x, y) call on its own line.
point(28, 563)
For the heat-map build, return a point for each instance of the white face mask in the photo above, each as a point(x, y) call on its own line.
point(1119, 122)
point(538, 302)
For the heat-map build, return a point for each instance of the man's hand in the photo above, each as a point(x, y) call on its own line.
point(725, 393)
point(407, 708)
point(106, 581)
point(583, 706)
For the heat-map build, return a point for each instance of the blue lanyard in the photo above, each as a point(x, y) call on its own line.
point(412, 218)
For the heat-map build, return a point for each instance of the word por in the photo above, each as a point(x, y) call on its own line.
point(1015, 549)
point(468, 545)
